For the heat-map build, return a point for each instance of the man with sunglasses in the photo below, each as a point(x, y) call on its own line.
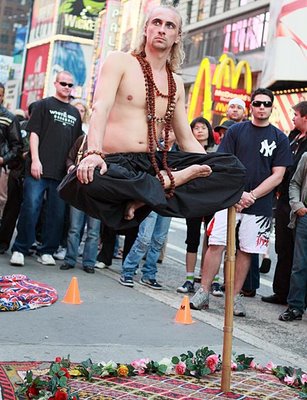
point(54, 125)
point(265, 152)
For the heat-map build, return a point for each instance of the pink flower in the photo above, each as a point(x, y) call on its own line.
point(289, 380)
point(180, 368)
point(212, 362)
point(304, 378)
point(253, 364)
point(270, 366)
point(140, 365)
point(234, 366)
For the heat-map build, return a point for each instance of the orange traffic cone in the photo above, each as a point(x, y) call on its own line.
point(183, 315)
point(72, 295)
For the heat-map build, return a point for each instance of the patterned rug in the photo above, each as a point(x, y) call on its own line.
point(247, 385)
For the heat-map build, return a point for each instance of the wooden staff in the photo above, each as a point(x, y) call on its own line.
point(229, 274)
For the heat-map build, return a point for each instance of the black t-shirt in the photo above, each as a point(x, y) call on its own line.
point(58, 125)
point(259, 149)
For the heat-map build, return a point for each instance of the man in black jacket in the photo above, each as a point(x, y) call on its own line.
point(10, 137)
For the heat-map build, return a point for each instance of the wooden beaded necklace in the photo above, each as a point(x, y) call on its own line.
point(152, 119)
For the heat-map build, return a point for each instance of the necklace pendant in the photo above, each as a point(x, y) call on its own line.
point(149, 117)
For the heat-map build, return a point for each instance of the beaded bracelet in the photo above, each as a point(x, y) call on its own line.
point(253, 195)
point(90, 152)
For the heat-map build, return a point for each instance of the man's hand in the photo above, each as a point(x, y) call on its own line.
point(36, 169)
point(301, 212)
point(86, 168)
point(246, 201)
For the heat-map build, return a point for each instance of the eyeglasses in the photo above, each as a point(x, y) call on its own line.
point(64, 84)
point(266, 104)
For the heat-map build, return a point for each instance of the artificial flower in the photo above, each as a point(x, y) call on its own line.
point(169, 365)
point(140, 365)
point(32, 391)
point(289, 380)
point(212, 362)
point(60, 395)
point(122, 370)
point(304, 379)
point(234, 366)
point(58, 359)
point(270, 366)
point(180, 368)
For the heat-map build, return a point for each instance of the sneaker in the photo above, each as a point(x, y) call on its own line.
point(126, 281)
point(60, 253)
point(17, 259)
point(291, 314)
point(100, 265)
point(200, 300)
point(187, 287)
point(197, 278)
point(238, 307)
point(216, 290)
point(46, 259)
point(152, 283)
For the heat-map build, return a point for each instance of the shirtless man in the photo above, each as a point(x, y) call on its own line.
point(128, 116)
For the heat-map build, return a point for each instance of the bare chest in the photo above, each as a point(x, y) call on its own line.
point(133, 92)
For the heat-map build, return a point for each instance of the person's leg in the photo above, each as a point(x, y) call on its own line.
point(243, 262)
point(77, 220)
point(11, 210)
point(284, 247)
point(140, 246)
point(52, 229)
point(298, 282)
point(33, 195)
point(252, 281)
point(159, 236)
point(108, 237)
point(91, 242)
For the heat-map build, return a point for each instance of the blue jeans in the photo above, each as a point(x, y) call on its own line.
point(151, 237)
point(297, 297)
point(78, 219)
point(34, 191)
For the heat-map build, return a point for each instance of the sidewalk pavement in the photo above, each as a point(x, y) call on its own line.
point(119, 323)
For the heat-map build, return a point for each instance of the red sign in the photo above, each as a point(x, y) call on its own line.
point(35, 75)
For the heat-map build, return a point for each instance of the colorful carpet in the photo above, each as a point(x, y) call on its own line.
point(18, 292)
point(247, 385)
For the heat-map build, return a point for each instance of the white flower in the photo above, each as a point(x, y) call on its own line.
point(169, 365)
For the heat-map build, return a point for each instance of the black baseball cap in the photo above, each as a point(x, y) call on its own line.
point(225, 125)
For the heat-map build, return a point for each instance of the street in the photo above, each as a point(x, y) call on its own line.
point(120, 323)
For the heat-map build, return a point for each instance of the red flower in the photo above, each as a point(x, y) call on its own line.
point(60, 395)
point(32, 391)
point(66, 372)
point(58, 359)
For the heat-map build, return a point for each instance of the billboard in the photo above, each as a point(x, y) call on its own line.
point(78, 17)
point(43, 15)
point(75, 58)
point(34, 75)
point(287, 41)
point(20, 44)
point(6, 64)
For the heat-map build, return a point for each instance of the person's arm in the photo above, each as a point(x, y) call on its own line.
point(36, 166)
point(295, 188)
point(184, 136)
point(14, 142)
point(265, 187)
point(108, 83)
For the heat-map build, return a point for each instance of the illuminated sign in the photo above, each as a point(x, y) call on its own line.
point(218, 84)
point(78, 17)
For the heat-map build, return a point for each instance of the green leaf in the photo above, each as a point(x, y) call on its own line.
point(63, 381)
point(175, 360)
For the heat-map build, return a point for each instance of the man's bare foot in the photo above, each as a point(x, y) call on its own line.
point(131, 208)
point(187, 174)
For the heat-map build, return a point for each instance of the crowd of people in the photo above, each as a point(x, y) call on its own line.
point(128, 172)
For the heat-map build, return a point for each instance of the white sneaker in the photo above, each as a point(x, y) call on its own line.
point(60, 253)
point(100, 265)
point(46, 259)
point(17, 259)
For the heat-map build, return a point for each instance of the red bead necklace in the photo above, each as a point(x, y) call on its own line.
point(151, 92)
